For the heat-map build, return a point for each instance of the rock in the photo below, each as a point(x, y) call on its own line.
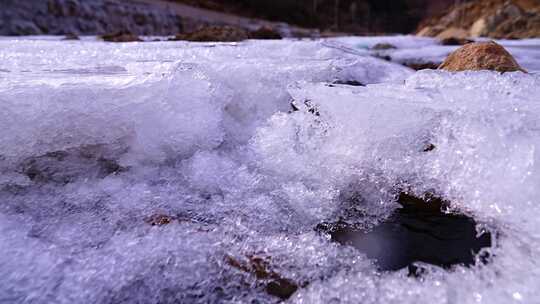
point(260, 267)
point(428, 147)
point(453, 32)
point(487, 18)
point(121, 37)
point(478, 29)
point(454, 36)
point(417, 66)
point(518, 28)
point(382, 56)
point(353, 83)
point(24, 27)
point(481, 56)
point(215, 34)
point(82, 17)
point(66, 166)
point(505, 21)
point(265, 32)
point(455, 41)
point(430, 31)
point(159, 220)
point(383, 46)
point(424, 32)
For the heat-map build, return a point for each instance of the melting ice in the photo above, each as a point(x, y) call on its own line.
point(172, 172)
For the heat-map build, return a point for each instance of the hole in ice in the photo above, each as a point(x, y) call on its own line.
point(353, 83)
point(420, 231)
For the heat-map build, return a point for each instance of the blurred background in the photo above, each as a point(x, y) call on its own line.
point(291, 18)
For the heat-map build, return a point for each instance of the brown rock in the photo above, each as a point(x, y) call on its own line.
point(481, 56)
point(265, 32)
point(215, 34)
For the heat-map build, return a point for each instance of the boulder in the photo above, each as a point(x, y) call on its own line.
point(481, 56)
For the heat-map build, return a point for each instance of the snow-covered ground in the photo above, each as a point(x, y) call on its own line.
point(96, 138)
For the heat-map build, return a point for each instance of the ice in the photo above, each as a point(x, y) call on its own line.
point(245, 148)
point(412, 49)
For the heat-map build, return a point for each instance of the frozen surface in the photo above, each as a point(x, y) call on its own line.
point(97, 139)
point(412, 49)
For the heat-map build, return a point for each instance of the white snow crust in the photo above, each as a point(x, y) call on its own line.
point(96, 137)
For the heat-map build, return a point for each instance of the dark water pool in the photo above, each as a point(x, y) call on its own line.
point(420, 231)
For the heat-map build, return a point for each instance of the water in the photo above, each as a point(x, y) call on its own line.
point(420, 231)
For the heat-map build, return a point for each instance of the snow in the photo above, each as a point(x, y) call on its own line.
point(98, 137)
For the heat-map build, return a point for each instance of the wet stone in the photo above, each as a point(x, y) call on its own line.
point(275, 284)
point(420, 231)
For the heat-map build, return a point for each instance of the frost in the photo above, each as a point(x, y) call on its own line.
point(244, 149)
